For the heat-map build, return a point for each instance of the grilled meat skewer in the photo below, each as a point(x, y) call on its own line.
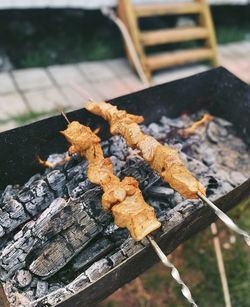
point(162, 158)
point(123, 198)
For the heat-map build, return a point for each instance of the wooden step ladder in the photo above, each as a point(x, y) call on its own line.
point(203, 31)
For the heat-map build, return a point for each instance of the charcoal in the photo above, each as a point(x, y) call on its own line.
point(160, 191)
point(117, 165)
point(213, 133)
point(130, 247)
point(56, 219)
point(188, 206)
point(92, 253)
point(41, 288)
point(80, 282)
point(32, 180)
point(40, 188)
point(2, 231)
point(222, 122)
point(172, 220)
point(38, 204)
point(116, 234)
point(9, 193)
point(97, 270)
point(60, 250)
point(56, 297)
point(76, 170)
point(77, 185)
point(222, 175)
point(12, 257)
point(176, 199)
point(82, 187)
point(178, 147)
point(118, 147)
point(37, 197)
point(57, 158)
point(25, 195)
point(116, 258)
point(105, 148)
point(237, 178)
point(34, 282)
point(54, 286)
point(173, 122)
point(59, 216)
point(12, 215)
point(225, 187)
point(160, 205)
point(57, 181)
point(208, 157)
point(23, 278)
point(92, 201)
point(29, 295)
point(140, 170)
point(156, 131)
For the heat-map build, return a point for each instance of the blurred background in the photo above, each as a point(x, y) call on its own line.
point(46, 45)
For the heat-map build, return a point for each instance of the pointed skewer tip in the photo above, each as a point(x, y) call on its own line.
point(65, 117)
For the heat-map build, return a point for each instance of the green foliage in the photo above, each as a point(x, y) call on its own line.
point(34, 38)
point(28, 117)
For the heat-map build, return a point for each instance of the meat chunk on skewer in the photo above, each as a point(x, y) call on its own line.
point(162, 158)
point(123, 198)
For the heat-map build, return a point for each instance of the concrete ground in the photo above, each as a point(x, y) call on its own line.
point(43, 91)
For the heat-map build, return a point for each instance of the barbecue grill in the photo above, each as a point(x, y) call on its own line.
point(217, 91)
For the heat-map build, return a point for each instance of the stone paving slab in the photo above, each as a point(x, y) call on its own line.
point(6, 84)
point(109, 90)
point(11, 105)
point(28, 79)
point(97, 71)
point(46, 89)
point(46, 100)
point(8, 126)
point(75, 99)
point(133, 83)
point(119, 67)
point(63, 74)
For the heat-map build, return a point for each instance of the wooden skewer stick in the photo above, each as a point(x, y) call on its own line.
point(65, 117)
point(220, 264)
point(80, 90)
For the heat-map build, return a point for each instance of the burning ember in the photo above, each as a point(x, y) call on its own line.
point(57, 240)
point(191, 130)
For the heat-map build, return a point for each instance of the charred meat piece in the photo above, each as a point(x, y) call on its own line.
point(123, 198)
point(162, 158)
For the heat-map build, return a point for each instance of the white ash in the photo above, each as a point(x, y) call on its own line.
point(23, 278)
point(41, 288)
point(40, 217)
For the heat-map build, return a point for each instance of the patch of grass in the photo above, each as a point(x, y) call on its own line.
point(197, 264)
point(233, 34)
point(46, 37)
point(28, 117)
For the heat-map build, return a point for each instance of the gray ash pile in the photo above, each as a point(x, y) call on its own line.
point(57, 240)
